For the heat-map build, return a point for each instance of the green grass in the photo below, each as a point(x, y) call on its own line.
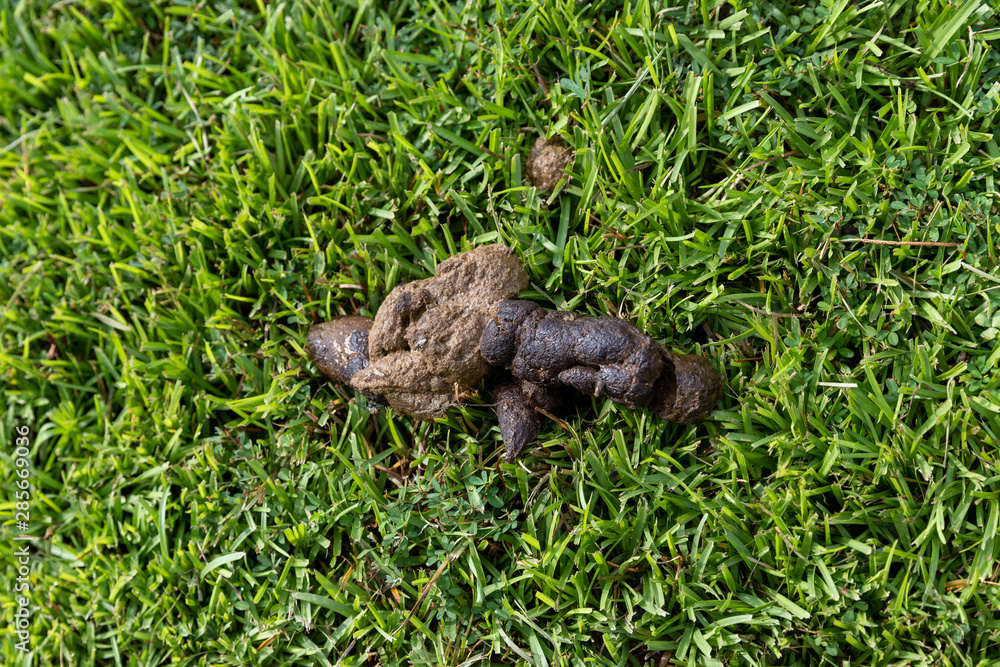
point(186, 188)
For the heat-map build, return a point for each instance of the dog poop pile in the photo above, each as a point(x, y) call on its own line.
point(433, 340)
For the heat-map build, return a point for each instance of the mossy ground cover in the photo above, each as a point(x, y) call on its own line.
point(805, 193)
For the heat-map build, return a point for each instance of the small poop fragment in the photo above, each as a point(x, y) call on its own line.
point(547, 162)
point(433, 340)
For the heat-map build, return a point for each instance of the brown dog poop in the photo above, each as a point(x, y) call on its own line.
point(603, 356)
point(547, 162)
point(433, 340)
point(517, 405)
point(339, 349)
point(423, 346)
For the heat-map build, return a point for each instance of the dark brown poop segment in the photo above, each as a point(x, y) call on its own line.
point(689, 389)
point(547, 162)
point(339, 349)
point(602, 356)
point(520, 421)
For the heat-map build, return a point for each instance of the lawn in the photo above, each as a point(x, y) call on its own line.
point(806, 195)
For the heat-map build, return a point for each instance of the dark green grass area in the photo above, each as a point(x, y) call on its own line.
point(186, 188)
